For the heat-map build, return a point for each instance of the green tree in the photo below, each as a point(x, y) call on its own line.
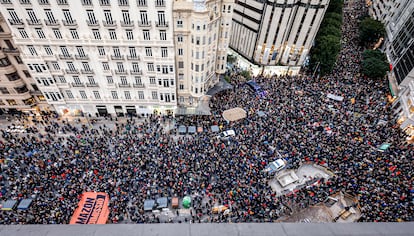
point(335, 6)
point(325, 53)
point(374, 64)
point(370, 31)
point(231, 59)
point(246, 74)
point(330, 30)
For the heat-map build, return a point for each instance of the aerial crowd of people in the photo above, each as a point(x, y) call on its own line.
point(141, 160)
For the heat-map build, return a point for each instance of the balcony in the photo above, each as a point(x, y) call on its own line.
point(92, 23)
point(120, 72)
point(121, 85)
point(33, 22)
point(127, 24)
point(138, 85)
point(144, 24)
point(92, 85)
point(109, 23)
point(161, 24)
point(10, 50)
point(82, 57)
point(133, 58)
point(65, 57)
point(117, 57)
point(75, 72)
point(77, 85)
point(70, 23)
point(52, 23)
point(87, 71)
point(136, 72)
point(16, 22)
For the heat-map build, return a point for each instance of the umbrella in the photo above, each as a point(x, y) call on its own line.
point(187, 202)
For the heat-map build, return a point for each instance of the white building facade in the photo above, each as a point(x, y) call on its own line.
point(98, 57)
point(18, 90)
point(201, 34)
point(276, 32)
point(398, 18)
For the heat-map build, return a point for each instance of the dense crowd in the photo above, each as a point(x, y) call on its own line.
point(140, 160)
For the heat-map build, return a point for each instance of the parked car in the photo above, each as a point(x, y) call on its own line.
point(275, 166)
point(226, 134)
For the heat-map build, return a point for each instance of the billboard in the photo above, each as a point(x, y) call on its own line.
point(92, 209)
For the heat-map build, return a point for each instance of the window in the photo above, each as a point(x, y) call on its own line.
point(71, 66)
point(179, 23)
point(165, 69)
point(69, 94)
point(62, 2)
point(87, 2)
point(142, 3)
point(61, 79)
point(112, 34)
point(3, 90)
point(15, 18)
point(86, 66)
point(138, 80)
point(117, 52)
point(77, 80)
point(74, 33)
point(80, 50)
point(91, 80)
point(108, 16)
point(83, 94)
point(40, 33)
point(152, 80)
point(163, 35)
point(180, 51)
point(154, 95)
point(180, 64)
point(32, 50)
point(161, 17)
point(124, 80)
point(48, 50)
point(123, 2)
point(55, 65)
point(150, 66)
point(135, 67)
point(32, 16)
point(96, 94)
point(105, 2)
point(23, 33)
point(146, 35)
point(132, 52)
point(18, 59)
point(181, 86)
point(64, 51)
point(164, 52)
point(109, 79)
point(129, 34)
point(144, 17)
point(126, 17)
point(114, 94)
point(180, 38)
point(148, 51)
point(120, 66)
point(96, 34)
point(141, 95)
point(91, 17)
point(57, 33)
point(101, 51)
point(105, 65)
point(127, 95)
point(68, 16)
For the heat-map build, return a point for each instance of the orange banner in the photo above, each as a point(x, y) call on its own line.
point(92, 209)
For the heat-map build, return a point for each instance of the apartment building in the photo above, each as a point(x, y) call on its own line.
point(18, 90)
point(276, 32)
point(398, 19)
point(98, 57)
point(201, 35)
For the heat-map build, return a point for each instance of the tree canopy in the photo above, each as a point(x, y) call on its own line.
point(374, 64)
point(370, 31)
